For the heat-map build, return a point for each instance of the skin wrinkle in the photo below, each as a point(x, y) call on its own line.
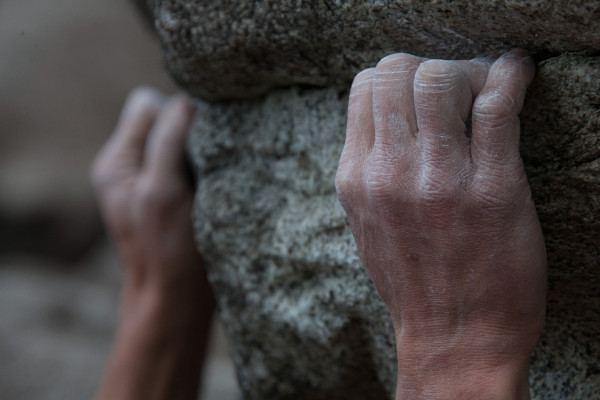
point(356, 92)
point(400, 62)
point(397, 123)
point(448, 87)
point(487, 106)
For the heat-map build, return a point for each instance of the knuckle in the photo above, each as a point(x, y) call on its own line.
point(434, 76)
point(395, 67)
point(152, 199)
point(436, 190)
point(380, 185)
point(119, 221)
point(347, 186)
point(343, 182)
point(397, 61)
point(499, 188)
point(100, 175)
point(494, 110)
point(488, 196)
point(492, 198)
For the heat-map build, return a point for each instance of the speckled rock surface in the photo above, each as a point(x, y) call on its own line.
point(240, 48)
point(302, 316)
point(561, 150)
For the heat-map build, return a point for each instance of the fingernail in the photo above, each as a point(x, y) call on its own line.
point(517, 53)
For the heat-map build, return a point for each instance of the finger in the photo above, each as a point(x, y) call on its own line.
point(360, 135)
point(166, 144)
point(477, 71)
point(360, 132)
point(125, 148)
point(393, 102)
point(495, 139)
point(443, 96)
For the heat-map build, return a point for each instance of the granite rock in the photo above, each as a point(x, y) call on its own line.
point(242, 48)
point(303, 317)
point(561, 150)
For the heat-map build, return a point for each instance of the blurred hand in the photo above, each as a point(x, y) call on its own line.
point(444, 220)
point(146, 198)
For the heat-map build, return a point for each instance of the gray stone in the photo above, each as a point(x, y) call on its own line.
point(561, 150)
point(241, 48)
point(303, 318)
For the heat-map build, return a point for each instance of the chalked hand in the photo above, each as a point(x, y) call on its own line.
point(440, 208)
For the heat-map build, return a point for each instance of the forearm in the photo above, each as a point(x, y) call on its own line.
point(160, 345)
point(443, 354)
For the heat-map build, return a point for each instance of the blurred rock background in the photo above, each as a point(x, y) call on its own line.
point(66, 67)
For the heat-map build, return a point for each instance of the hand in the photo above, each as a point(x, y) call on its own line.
point(444, 220)
point(146, 198)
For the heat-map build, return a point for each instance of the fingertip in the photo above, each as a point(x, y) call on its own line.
point(176, 119)
point(439, 77)
point(495, 134)
point(176, 116)
point(400, 62)
point(364, 76)
point(143, 99)
point(522, 56)
point(359, 126)
point(166, 148)
point(516, 62)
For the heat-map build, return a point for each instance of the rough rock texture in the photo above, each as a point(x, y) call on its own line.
point(561, 150)
point(241, 48)
point(303, 317)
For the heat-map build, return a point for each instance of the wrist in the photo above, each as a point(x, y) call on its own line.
point(502, 382)
point(176, 284)
point(166, 306)
point(159, 350)
point(462, 367)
